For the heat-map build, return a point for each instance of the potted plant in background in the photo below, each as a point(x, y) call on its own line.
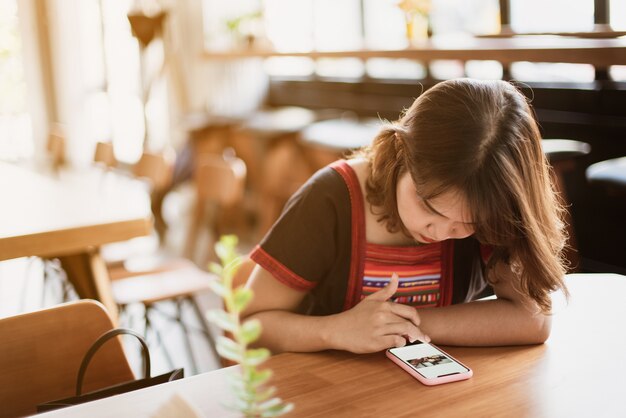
point(253, 397)
point(417, 20)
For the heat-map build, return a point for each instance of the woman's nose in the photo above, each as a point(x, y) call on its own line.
point(451, 230)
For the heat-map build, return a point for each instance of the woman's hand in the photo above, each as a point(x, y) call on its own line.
point(376, 324)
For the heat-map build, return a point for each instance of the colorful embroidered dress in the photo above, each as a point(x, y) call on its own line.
point(418, 268)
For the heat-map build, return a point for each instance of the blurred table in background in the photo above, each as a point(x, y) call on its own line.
point(69, 216)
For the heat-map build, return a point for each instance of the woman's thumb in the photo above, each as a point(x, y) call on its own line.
point(386, 292)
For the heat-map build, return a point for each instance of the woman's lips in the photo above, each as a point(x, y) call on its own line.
point(422, 238)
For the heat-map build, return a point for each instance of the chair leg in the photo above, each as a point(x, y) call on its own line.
point(186, 337)
point(157, 334)
point(205, 328)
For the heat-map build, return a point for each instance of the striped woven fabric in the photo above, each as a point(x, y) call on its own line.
point(418, 267)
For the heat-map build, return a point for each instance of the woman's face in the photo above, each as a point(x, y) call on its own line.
point(443, 217)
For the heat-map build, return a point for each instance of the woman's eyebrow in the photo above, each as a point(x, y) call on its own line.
point(429, 206)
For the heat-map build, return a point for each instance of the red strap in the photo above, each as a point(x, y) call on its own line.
point(357, 253)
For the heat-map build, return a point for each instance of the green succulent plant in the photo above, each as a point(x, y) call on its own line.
point(253, 397)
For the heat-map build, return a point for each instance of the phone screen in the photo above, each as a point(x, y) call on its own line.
point(427, 360)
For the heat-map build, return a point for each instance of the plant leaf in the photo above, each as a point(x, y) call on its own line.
point(215, 268)
point(229, 349)
point(256, 356)
point(277, 410)
point(250, 330)
point(222, 319)
point(217, 287)
point(259, 377)
point(241, 298)
point(265, 394)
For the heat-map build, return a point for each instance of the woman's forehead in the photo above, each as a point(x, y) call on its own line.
point(452, 204)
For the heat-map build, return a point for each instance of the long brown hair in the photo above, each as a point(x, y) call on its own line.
point(481, 138)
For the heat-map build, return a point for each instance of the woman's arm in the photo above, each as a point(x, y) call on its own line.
point(373, 325)
point(511, 319)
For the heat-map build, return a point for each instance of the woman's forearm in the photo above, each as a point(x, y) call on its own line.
point(287, 331)
point(485, 323)
point(481, 323)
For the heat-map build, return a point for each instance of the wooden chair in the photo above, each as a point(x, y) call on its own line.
point(610, 175)
point(158, 170)
point(220, 185)
point(55, 147)
point(268, 143)
point(41, 352)
point(105, 155)
point(605, 240)
point(562, 155)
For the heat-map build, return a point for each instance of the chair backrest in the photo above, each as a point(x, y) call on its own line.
point(104, 154)
point(40, 354)
point(157, 168)
point(56, 147)
point(220, 179)
point(220, 183)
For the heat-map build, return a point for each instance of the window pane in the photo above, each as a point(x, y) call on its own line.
point(289, 24)
point(551, 15)
point(337, 25)
point(226, 23)
point(465, 16)
point(16, 140)
point(384, 25)
point(618, 14)
point(123, 71)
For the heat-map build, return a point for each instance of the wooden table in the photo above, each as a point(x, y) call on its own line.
point(70, 216)
point(599, 52)
point(578, 372)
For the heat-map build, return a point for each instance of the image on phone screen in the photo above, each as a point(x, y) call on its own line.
point(428, 361)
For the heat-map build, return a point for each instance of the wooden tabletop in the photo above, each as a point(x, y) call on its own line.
point(578, 372)
point(51, 216)
point(538, 48)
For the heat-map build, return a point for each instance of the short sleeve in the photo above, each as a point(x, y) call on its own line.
point(301, 248)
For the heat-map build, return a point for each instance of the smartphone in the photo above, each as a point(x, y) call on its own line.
point(429, 364)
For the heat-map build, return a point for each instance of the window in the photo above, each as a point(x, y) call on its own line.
point(16, 142)
point(551, 15)
point(328, 25)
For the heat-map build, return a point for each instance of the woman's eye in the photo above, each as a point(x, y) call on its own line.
point(428, 208)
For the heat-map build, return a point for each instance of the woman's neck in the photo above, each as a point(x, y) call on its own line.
point(376, 231)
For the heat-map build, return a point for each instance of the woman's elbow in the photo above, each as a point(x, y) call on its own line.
point(542, 329)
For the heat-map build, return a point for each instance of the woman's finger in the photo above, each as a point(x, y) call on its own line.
point(404, 329)
point(386, 292)
point(406, 312)
point(389, 341)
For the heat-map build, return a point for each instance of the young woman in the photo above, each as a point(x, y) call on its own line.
point(451, 202)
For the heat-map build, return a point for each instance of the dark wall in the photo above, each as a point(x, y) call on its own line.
point(591, 112)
